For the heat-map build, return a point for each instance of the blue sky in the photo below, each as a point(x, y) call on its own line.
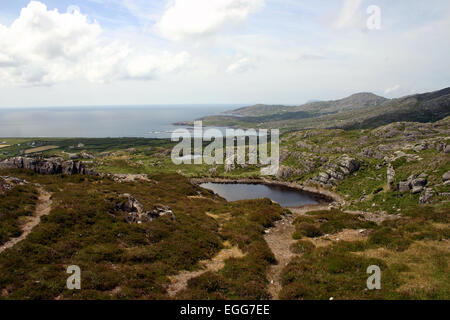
point(101, 52)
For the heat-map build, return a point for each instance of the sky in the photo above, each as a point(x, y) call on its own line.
point(133, 52)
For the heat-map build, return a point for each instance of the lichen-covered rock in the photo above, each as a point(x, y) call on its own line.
point(446, 177)
point(390, 175)
point(426, 196)
point(337, 171)
point(135, 212)
point(47, 166)
point(419, 182)
point(417, 189)
point(404, 186)
point(349, 165)
point(7, 183)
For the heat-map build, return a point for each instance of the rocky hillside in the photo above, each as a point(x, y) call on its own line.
point(353, 102)
point(363, 110)
point(390, 167)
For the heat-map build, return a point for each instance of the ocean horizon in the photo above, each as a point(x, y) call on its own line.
point(144, 121)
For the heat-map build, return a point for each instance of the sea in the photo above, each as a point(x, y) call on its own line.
point(153, 121)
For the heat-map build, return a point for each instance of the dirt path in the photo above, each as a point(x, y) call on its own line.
point(179, 282)
point(43, 208)
point(279, 238)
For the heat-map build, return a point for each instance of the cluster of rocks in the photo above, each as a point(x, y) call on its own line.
point(135, 212)
point(128, 177)
point(306, 163)
point(7, 183)
point(343, 167)
point(47, 166)
point(415, 184)
point(285, 172)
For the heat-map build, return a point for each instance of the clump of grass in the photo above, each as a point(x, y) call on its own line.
point(318, 223)
point(302, 246)
point(306, 229)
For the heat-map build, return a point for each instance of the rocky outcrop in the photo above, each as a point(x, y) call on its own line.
point(47, 166)
point(86, 155)
point(128, 177)
point(415, 184)
point(344, 166)
point(135, 212)
point(285, 172)
point(7, 183)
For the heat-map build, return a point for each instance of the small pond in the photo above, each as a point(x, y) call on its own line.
point(286, 197)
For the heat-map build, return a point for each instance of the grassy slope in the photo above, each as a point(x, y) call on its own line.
point(122, 260)
point(413, 253)
point(15, 204)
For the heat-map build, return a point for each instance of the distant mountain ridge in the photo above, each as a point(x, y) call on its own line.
point(360, 110)
point(355, 101)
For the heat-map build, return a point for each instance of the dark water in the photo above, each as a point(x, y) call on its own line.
point(101, 122)
point(286, 197)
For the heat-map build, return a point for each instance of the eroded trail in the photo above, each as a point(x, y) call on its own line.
point(43, 208)
point(179, 281)
point(279, 238)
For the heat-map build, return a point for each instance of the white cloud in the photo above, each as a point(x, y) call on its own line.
point(392, 89)
point(45, 47)
point(240, 66)
point(196, 18)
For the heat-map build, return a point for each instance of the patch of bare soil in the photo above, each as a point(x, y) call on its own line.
point(344, 235)
point(42, 209)
point(201, 198)
point(377, 217)
point(179, 281)
point(279, 238)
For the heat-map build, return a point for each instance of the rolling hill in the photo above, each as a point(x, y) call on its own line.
point(361, 110)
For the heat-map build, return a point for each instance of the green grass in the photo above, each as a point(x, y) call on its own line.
point(411, 252)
